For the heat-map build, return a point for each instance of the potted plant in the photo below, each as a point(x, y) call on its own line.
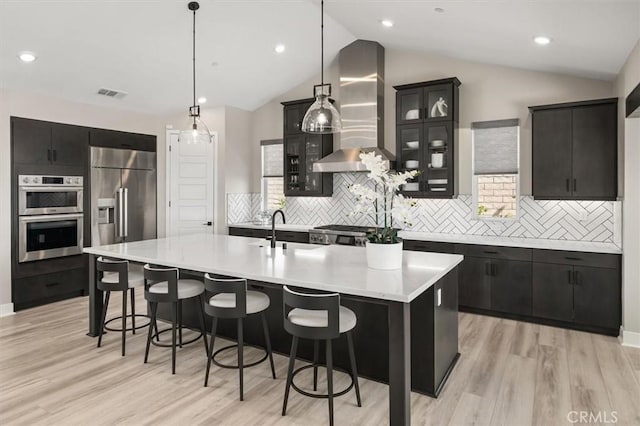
point(385, 205)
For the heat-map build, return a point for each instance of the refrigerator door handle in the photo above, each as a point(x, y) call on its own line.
point(120, 213)
point(126, 213)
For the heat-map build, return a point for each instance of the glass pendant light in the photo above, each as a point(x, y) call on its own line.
point(195, 131)
point(321, 117)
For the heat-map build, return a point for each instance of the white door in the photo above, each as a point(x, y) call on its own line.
point(190, 180)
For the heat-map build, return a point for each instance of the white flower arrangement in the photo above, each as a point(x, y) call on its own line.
point(383, 202)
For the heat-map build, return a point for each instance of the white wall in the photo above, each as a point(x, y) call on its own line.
point(629, 130)
point(61, 111)
point(488, 92)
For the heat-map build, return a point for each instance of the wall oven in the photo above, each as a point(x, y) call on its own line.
point(47, 236)
point(50, 222)
point(39, 195)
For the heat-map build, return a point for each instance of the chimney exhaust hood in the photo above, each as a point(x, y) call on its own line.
point(362, 108)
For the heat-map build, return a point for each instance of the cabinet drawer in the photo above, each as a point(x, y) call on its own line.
point(494, 252)
point(599, 260)
point(50, 285)
point(292, 236)
point(248, 232)
point(432, 246)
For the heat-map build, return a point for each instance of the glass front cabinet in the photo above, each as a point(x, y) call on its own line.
point(426, 132)
point(301, 150)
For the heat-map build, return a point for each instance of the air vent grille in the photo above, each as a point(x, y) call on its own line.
point(118, 94)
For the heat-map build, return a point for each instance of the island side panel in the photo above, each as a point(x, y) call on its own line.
point(399, 363)
point(95, 299)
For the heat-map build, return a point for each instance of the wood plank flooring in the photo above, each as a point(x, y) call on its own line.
point(510, 373)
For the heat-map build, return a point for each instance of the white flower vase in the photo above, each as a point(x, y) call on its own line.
point(384, 256)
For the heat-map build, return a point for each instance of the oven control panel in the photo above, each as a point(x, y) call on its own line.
point(38, 180)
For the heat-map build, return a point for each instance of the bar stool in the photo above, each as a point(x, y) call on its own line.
point(318, 317)
point(163, 285)
point(232, 300)
point(114, 275)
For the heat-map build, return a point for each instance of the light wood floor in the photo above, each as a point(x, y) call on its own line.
point(510, 373)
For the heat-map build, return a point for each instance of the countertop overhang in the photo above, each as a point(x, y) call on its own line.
point(333, 268)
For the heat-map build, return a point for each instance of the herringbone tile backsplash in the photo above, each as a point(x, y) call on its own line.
point(556, 220)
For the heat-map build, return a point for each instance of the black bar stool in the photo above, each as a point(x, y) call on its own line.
point(318, 317)
point(232, 300)
point(114, 275)
point(163, 285)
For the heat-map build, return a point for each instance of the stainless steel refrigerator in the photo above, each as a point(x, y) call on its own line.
point(123, 195)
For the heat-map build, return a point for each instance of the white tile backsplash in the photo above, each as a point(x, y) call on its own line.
point(595, 221)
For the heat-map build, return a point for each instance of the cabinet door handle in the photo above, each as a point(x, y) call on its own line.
point(568, 188)
point(575, 185)
point(572, 258)
point(55, 155)
point(49, 154)
point(494, 269)
point(569, 281)
point(490, 252)
point(51, 284)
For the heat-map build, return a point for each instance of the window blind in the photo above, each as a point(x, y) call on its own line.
point(495, 147)
point(272, 158)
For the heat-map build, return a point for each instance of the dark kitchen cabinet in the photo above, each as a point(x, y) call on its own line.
point(43, 143)
point(575, 150)
point(426, 127)
point(301, 150)
point(45, 288)
point(122, 140)
point(288, 236)
point(495, 278)
point(475, 283)
point(580, 288)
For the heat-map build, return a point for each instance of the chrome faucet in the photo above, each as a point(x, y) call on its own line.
point(273, 226)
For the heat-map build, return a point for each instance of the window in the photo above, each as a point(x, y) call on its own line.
point(496, 186)
point(272, 176)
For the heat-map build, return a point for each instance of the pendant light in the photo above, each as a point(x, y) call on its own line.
point(196, 131)
point(321, 117)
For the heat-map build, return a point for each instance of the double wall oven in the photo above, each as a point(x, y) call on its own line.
point(50, 217)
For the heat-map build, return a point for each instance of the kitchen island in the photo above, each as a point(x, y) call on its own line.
point(423, 294)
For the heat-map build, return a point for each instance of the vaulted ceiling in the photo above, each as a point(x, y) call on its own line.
point(143, 47)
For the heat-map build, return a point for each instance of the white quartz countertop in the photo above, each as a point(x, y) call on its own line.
point(279, 226)
point(539, 243)
point(333, 268)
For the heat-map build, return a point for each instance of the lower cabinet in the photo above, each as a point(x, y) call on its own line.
point(495, 278)
point(46, 288)
point(562, 288)
point(580, 294)
point(288, 236)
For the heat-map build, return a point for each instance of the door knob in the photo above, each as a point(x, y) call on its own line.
point(208, 223)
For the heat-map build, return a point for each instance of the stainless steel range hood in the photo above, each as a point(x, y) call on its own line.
point(361, 108)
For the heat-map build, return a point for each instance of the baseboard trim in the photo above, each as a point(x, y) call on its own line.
point(629, 338)
point(6, 310)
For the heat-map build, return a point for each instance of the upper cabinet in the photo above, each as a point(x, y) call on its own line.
point(122, 140)
point(301, 150)
point(426, 128)
point(575, 148)
point(43, 143)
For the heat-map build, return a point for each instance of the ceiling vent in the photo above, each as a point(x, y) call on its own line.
point(118, 94)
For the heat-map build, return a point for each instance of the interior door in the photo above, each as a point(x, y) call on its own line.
point(140, 204)
point(104, 207)
point(191, 188)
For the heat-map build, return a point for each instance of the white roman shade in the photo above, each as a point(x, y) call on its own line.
point(495, 147)
point(272, 158)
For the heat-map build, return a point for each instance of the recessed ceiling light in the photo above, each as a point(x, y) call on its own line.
point(542, 40)
point(387, 23)
point(27, 56)
point(280, 48)
point(438, 9)
point(202, 100)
